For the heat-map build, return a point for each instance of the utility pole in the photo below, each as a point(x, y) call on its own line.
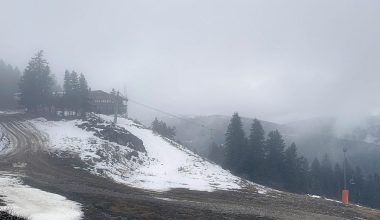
point(126, 101)
point(345, 192)
point(116, 108)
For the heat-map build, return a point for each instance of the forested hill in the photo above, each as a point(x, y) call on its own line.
point(9, 77)
point(197, 132)
point(314, 137)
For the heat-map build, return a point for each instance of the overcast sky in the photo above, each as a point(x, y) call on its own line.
point(275, 60)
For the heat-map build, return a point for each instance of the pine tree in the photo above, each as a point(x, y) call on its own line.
point(275, 156)
point(9, 78)
point(235, 144)
point(338, 181)
point(292, 172)
point(36, 84)
point(327, 183)
point(75, 89)
point(303, 169)
point(161, 128)
point(315, 175)
point(155, 125)
point(67, 90)
point(113, 92)
point(84, 99)
point(357, 186)
point(254, 160)
point(217, 153)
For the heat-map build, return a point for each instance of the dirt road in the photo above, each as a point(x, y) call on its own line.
point(105, 199)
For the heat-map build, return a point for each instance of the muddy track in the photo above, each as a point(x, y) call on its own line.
point(105, 199)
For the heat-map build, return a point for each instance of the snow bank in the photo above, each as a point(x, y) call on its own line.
point(35, 204)
point(171, 165)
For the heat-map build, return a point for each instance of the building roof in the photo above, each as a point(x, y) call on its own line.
point(99, 94)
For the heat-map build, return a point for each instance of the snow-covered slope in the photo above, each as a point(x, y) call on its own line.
point(171, 165)
point(102, 157)
point(165, 164)
point(35, 204)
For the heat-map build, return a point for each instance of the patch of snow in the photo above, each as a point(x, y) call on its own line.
point(4, 140)
point(35, 204)
point(166, 199)
point(262, 191)
point(327, 199)
point(11, 112)
point(332, 200)
point(171, 165)
point(314, 196)
point(102, 157)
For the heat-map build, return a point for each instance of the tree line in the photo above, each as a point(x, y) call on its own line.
point(9, 77)
point(161, 128)
point(39, 91)
point(267, 160)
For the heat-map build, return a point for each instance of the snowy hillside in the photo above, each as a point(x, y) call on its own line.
point(102, 157)
point(165, 164)
point(171, 165)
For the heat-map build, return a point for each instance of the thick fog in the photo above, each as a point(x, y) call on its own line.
point(276, 60)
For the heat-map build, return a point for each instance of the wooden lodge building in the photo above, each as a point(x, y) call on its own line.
point(105, 103)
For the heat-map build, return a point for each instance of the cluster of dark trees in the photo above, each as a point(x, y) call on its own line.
point(40, 93)
point(267, 160)
point(9, 78)
point(161, 128)
point(75, 93)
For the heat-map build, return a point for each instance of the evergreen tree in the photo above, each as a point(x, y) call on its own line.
point(67, 89)
point(76, 93)
point(217, 153)
point(327, 183)
point(315, 177)
point(113, 92)
point(9, 78)
point(161, 128)
point(303, 168)
point(275, 156)
point(235, 144)
point(254, 160)
point(75, 89)
point(155, 125)
point(84, 93)
point(292, 168)
point(36, 84)
point(357, 186)
point(338, 181)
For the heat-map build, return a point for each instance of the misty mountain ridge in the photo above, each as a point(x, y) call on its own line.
point(314, 137)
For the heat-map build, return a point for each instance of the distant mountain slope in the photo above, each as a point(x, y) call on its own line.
point(314, 137)
point(197, 132)
point(317, 136)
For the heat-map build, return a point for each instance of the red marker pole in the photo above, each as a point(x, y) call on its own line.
point(345, 194)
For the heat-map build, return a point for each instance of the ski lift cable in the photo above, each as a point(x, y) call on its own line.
point(169, 114)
